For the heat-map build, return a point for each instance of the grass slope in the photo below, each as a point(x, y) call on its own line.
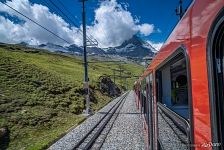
point(41, 94)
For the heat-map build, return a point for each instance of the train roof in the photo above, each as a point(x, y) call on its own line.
point(179, 36)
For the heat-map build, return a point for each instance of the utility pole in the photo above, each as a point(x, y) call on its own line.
point(179, 10)
point(126, 84)
point(114, 73)
point(114, 76)
point(86, 78)
point(147, 59)
point(120, 74)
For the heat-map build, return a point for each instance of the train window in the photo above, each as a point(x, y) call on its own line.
point(143, 97)
point(172, 96)
point(150, 110)
point(216, 62)
point(179, 95)
point(172, 85)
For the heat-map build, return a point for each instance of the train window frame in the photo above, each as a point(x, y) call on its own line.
point(143, 98)
point(178, 66)
point(183, 50)
point(167, 97)
point(149, 80)
point(212, 79)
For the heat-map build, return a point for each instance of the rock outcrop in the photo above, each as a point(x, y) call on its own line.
point(4, 138)
point(108, 87)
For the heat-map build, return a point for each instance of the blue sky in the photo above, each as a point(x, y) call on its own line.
point(158, 13)
point(161, 13)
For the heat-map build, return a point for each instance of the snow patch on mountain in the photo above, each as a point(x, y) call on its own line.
point(134, 48)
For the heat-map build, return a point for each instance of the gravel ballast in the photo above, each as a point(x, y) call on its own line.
point(71, 138)
point(127, 131)
point(168, 134)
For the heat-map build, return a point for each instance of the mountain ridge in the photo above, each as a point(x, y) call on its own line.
point(134, 47)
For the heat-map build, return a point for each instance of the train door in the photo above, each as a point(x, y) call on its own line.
point(216, 69)
point(174, 102)
point(147, 101)
point(143, 98)
point(150, 110)
point(219, 84)
point(140, 96)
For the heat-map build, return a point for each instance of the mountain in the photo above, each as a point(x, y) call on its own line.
point(95, 51)
point(74, 49)
point(134, 48)
point(90, 50)
point(53, 47)
point(149, 46)
point(23, 44)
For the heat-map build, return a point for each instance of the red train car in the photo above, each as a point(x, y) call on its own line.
point(181, 93)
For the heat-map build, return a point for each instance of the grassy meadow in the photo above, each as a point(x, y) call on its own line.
point(41, 94)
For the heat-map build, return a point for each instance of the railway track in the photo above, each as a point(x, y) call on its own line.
point(178, 125)
point(95, 138)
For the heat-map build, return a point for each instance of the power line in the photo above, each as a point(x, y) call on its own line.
point(63, 13)
point(93, 40)
point(36, 23)
point(91, 36)
point(48, 5)
point(59, 11)
point(66, 9)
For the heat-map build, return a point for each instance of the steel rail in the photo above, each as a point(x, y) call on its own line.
point(91, 142)
point(171, 126)
point(100, 129)
point(110, 127)
point(181, 123)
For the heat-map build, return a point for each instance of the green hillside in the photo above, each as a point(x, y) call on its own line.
point(41, 94)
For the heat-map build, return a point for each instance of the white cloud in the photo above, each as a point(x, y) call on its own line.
point(12, 32)
point(113, 24)
point(155, 45)
point(146, 29)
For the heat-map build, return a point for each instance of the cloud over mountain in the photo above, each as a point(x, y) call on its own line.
point(157, 46)
point(113, 24)
point(29, 32)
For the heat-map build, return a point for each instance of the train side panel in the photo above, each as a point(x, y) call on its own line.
point(192, 34)
point(203, 15)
